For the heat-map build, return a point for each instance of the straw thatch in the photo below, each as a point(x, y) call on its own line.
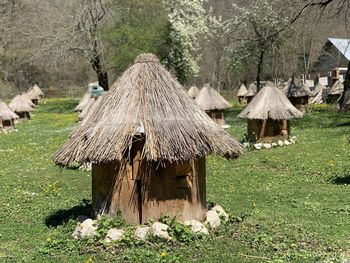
point(209, 99)
point(35, 93)
point(6, 114)
point(270, 103)
point(242, 91)
point(26, 98)
point(337, 88)
point(193, 92)
point(18, 105)
point(83, 102)
point(147, 100)
point(297, 89)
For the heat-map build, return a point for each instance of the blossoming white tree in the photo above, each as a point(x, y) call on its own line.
point(188, 20)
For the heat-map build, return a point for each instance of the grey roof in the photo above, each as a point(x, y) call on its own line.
point(343, 45)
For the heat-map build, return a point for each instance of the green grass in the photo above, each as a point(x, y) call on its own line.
point(294, 201)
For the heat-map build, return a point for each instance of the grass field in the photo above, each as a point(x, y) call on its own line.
point(294, 201)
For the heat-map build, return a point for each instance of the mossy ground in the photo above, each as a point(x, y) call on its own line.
point(294, 201)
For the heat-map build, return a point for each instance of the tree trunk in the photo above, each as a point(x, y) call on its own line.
point(101, 73)
point(344, 102)
point(260, 67)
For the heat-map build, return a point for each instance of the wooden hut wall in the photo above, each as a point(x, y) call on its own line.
point(274, 129)
point(217, 116)
point(143, 191)
point(8, 123)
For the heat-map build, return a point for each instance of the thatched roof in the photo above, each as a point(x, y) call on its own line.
point(242, 91)
point(337, 88)
point(193, 92)
point(83, 101)
point(296, 89)
point(35, 93)
point(209, 99)
point(86, 108)
point(26, 98)
point(319, 88)
point(146, 100)
point(18, 104)
point(252, 90)
point(270, 103)
point(6, 113)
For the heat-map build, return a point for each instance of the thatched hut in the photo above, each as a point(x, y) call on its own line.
point(241, 94)
point(335, 92)
point(27, 100)
point(20, 107)
point(268, 115)
point(147, 142)
point(86, 109)
point(83, 102)
point(35, 94)
point(212, 103)
point(7, 117)
point(193, 92)
point(251, 92)
point(298, 94)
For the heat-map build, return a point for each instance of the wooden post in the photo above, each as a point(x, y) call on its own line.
point(262, 132)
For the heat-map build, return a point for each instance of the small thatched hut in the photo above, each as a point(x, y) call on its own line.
point(268, 115)
point(298, 94)
point(193, 92)
point(335, 92)
point(7, 117)
point(252, 90)
point(83, 102)
point(86, 109)
point(147, 142)
point(20, 107)
point(241, 94)
point(35, 94)
point(212, 103)
point(26, 98)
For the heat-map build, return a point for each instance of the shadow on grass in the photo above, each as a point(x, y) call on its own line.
point(340, 180)
point(345, 124)
point(62, 216)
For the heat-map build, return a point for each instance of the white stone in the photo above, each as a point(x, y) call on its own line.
point(218, 209)
point(85, 229)
point(274, 144)
point(212, 219)
point(226, 126)
point(258, 146)
point(280, 143)
point(267, 145)
point(197, 227)
point(286, 142)
point(142, 232)
point(114, 235)
point(292, 141)
point(246, 144)
point(160, 230)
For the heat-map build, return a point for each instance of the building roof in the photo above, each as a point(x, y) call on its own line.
point(147, 101)
point(26, 98)
point(6, 113)
point(242, 91)
point(35, 92)
point(19, 104)
point(193, 92)
point(270, 103)
point(209, 99)
point(343, 45)
point(337, 88)
point(252, 90)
